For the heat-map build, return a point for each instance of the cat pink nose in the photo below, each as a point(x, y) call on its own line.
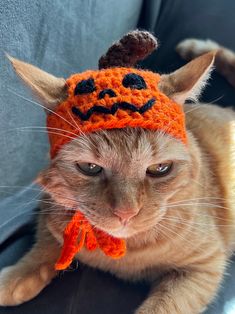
point(125, 216)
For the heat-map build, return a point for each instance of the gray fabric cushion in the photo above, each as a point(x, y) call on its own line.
point(61, 37)
point(18, 210)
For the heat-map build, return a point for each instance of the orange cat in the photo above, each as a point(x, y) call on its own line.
point(171, 201)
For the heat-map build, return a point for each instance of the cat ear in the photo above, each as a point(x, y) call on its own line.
point(188, 81)
point(49, 89)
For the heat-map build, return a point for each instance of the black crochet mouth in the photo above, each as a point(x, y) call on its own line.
point(118, 105)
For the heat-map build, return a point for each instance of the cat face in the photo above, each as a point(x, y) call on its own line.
point(137, 174)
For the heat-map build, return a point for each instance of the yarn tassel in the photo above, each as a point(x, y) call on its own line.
point(79, 233)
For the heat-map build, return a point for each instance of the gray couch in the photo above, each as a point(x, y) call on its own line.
point(61, 37)
point(68, 36)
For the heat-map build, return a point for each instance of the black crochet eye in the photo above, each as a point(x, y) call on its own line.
point(134, 81)
point(89, 169)
point(85, 87)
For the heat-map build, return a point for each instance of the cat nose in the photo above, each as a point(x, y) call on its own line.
point(125, 216)
point(107, 91)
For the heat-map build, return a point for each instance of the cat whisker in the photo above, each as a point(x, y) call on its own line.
point(206, 215)
point(200, 105)
point(186, 222)
point(77, 127)
point(198, 183)
point(42, 190)
point(19, 186)
point(197, 204)
point(49, 132)
point(179, 235)
point(210, 216)
point(216, 100)
point(199, 232)
point(44, 128)
point(76, 138)
point(193, 109)
point(39, 105)
point(198, 198)
point(14, 217)
point(39, 212)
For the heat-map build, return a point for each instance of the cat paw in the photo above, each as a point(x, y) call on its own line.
point(19, 285)
point(190, 48)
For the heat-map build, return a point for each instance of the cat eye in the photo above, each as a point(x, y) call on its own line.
point(89, 169)
point(159, 170)
point(85, 87)
point(134, 81)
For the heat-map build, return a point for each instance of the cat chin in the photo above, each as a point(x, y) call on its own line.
point(123, 233)
point(130, 230)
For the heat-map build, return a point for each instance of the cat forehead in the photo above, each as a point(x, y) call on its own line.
point(113, 78)
point(125, 148)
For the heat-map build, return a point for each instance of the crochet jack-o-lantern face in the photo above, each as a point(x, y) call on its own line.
point(114, 98)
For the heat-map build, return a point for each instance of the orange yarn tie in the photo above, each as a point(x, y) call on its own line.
point(79, 233)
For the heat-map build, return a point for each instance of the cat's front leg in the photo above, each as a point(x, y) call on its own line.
point(187, 291)
point(24, 280)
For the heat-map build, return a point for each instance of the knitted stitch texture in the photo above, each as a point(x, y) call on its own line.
point(131, 48)
point(163, 113)
point(79, 233)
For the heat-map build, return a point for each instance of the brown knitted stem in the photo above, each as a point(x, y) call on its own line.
point(130, 49)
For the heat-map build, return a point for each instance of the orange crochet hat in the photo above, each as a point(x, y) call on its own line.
point(116, 96)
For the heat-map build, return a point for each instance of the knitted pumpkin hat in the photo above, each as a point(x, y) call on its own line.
point(116, 96)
